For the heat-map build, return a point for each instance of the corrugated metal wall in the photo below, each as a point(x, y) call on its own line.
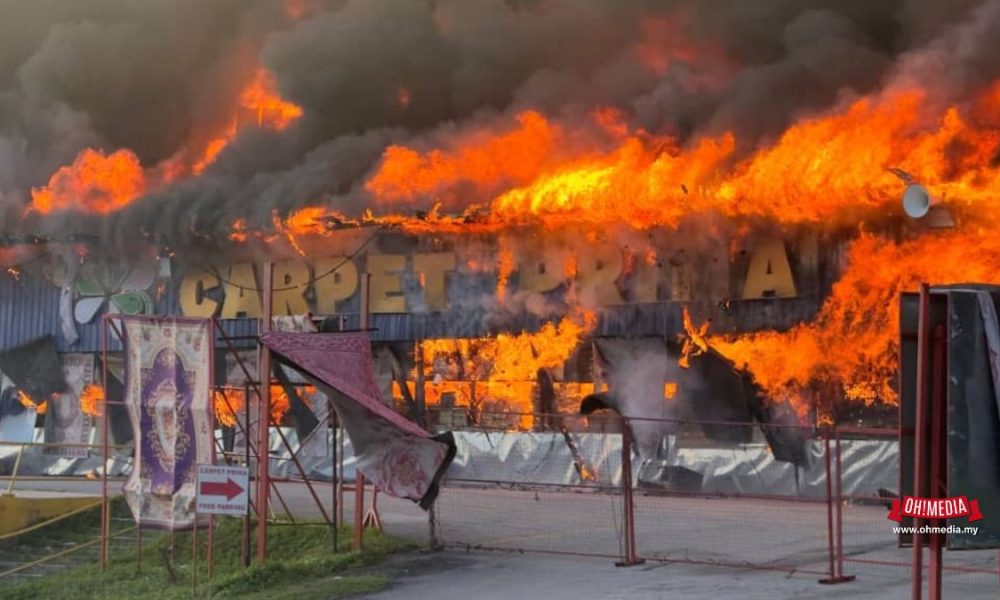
point(29, 308)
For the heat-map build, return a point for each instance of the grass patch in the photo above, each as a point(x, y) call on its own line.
point(301, 566)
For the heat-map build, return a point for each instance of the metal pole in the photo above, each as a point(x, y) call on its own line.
point(631, 556)
point(194, 552)
point(245, 546)
point(923, 346)
point(211, 545)
point(264, 420)
point(829, 507)
point(839, 496)
point(834, 519)
point(338, 439)
point(104, 435)
point(335, 523)
point(937, 460)
point(215, 458)
point(359, 478)
point(420, 391)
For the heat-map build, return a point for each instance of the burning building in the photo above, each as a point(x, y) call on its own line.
point(532, 198)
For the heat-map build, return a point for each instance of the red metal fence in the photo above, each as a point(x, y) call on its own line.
point(870, 549)
point(692, 498)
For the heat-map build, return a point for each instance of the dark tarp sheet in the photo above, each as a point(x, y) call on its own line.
point(394, 453)
point(35, 368)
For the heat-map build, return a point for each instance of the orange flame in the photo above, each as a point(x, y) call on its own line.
point(227, 405)
point(825, 169)
point(694, 342)
point(102, 183)
point(92, 400)
point(500, 372)
point(28, 402)
point(262, 97)
point(487, 159)
point(267, 109)
point(239, 231)
point(853, 343)
point(95, 182)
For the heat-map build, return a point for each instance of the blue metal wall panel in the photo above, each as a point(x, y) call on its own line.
point(29, 308)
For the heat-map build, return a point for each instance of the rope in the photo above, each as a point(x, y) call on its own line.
point(76, 548)
point(49, 522)
point(301, 285)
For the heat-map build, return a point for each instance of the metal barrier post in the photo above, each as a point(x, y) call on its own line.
point(334, 483)
point(836, 525)
point(264, 421)
point(937, 459)
point(103, 551)
point(359, 509)
point(920, 435)
point(631, 557)
point(839, 497)
point(828, 481)
point(359, 478)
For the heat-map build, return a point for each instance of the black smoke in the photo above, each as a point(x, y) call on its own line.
point(151, 76)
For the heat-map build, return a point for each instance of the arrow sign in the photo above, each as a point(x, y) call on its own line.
point(222, 490)
point(230, 489)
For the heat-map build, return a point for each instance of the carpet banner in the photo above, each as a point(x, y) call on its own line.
point(394, 453)
point(65, 421)
point(168, 383)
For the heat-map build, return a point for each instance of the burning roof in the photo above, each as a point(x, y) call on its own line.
point(279, 124)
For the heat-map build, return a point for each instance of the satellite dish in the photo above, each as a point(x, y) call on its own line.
point(917, 201)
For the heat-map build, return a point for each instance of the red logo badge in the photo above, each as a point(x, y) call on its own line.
point(935, 508)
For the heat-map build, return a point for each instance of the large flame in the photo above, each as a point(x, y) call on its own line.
point(825, 170)
point(498, 374)
point(487, 158)
point(853, 343)
point(833, 168)
point(230, 403)
point(98, 182)
point(821, 170)
point(94, 182)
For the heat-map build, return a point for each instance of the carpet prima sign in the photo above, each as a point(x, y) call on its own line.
point(601, 274)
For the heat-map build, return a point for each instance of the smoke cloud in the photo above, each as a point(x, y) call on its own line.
point(157, 77)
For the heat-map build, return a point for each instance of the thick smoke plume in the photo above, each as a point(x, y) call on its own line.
point(155, 76)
